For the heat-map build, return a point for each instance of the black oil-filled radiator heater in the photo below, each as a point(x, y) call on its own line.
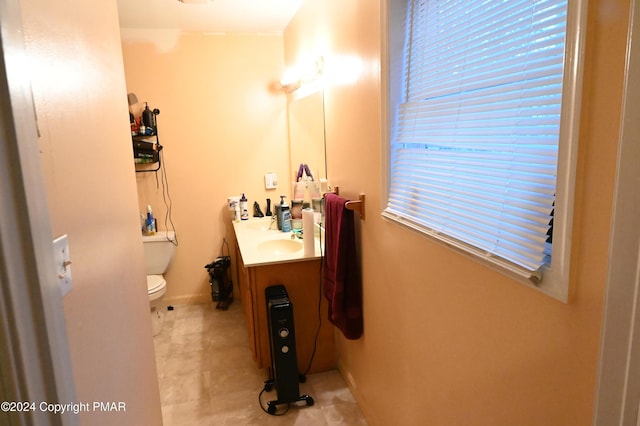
point(282, 342)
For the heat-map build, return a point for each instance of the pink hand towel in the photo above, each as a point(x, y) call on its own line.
point(342, 284)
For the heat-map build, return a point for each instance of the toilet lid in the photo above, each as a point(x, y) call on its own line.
point(155, 283)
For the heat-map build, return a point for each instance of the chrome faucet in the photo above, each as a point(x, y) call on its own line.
point(273, 220)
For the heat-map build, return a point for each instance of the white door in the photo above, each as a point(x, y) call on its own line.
point(35, 364)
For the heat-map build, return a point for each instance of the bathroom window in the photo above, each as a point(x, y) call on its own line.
point(483, 119)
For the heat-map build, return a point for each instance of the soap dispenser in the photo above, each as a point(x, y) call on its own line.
point(286, 215)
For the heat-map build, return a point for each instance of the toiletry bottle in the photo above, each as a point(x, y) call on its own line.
point(148, 118)
point(279, 212)
point(244, 212)
point(143, 224)
point(286, 216)
point(151, 222)
point(132, 122)
point(279, 217)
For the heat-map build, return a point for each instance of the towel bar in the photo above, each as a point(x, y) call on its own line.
point(355, 205)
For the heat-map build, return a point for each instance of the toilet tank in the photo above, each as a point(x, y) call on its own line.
point(158, 251)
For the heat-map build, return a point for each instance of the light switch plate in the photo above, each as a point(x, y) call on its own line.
point(270, 181)
point(63, 263)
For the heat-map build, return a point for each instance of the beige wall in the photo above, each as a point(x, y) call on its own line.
point(222, 127)
point(75, 61)
point(448, 341)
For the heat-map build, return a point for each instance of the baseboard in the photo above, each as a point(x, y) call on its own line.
point(353, 386)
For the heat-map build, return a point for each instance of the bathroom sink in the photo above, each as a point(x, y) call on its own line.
point(280, 246)
point(260, 243)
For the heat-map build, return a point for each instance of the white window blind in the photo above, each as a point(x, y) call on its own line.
point(474, 148)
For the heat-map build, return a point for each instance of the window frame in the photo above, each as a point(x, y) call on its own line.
point(556, 277)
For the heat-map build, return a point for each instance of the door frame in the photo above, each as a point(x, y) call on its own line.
point(618, 388)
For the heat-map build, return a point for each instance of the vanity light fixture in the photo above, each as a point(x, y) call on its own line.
point(299, 76)
point(344, 69)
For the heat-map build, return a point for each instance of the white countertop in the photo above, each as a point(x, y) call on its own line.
point(254, 231)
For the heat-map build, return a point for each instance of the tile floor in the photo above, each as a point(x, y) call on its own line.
point(208, 377)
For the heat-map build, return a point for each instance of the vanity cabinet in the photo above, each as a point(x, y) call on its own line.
point(303, 283)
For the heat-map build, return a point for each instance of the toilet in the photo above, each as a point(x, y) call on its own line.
point(158, 252)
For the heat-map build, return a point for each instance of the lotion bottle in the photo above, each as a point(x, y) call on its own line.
point(244, 211)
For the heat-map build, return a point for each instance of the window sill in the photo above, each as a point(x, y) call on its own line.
point(546, 282)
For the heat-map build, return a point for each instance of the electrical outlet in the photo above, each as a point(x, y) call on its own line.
point(270, 181)
point(63, 263)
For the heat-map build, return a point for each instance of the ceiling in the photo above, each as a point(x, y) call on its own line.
point(253, 16)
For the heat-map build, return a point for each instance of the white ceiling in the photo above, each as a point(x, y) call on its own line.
point(254, 16)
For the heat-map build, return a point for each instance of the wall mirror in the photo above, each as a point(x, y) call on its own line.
point(306, 133)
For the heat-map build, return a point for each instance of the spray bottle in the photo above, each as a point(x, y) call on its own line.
point(150, 223)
